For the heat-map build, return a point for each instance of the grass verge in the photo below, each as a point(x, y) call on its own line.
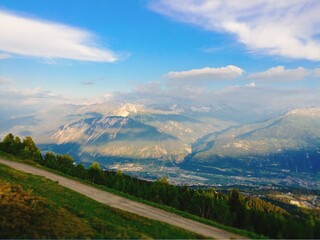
point(99, 220)
point(241, 232)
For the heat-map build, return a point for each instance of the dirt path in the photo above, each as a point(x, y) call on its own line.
point(125, 204)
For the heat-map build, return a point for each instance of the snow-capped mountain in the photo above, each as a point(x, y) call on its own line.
point(130, 108)
point(192, 136)
point(132, 131)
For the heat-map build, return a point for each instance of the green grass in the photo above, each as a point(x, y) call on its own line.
point(105, 222)
point(241, 232)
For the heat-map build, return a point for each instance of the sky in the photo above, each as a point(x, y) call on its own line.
point(262, 54)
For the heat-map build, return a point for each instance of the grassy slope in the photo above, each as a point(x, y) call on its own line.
point(104, 221)
point(241, 232)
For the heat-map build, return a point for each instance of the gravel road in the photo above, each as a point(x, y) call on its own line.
point(126, 204)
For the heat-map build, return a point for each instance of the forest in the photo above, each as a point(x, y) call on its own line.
point(232, 209)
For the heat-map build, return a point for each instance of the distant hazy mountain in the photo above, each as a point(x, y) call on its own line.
point(289, 142)
point(208, 138)
point(131, 131)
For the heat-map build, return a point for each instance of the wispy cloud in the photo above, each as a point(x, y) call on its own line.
point(250, 97)
point(279, 73)
point(265, 99)
point(212, 74)
point(212, 49)
point(15, 101)
point(284, 28)
point(252, 84)
point(37, 38)
point(316, 72)
point(4, 55)
point(5, 81)
point(88, 83)
point(30, 96)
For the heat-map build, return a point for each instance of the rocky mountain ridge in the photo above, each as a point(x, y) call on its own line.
point(291, 139)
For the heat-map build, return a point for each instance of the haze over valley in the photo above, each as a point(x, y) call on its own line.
point(207, 145)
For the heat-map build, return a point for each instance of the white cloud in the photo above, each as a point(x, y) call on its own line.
point(279, 73)
point(4, 55)
point(5, 81)
point(38, 38)
point(228, 72)
point(88, 83)
point(316, 72)
point(284, 28)
point(252, 84)
point(248, 98)
point(30, 98)
point(108, 96)
point(266, 99)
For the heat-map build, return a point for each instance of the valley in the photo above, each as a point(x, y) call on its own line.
point(205, 146)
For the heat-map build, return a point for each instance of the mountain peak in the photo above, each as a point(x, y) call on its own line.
point(128, 108)
point(312, 111)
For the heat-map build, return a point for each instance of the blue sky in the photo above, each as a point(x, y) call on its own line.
point(91, 51)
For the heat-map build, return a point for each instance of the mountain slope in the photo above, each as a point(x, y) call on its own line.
point(291, 141)
point(81, 216)
point(113, 215)
point(113, 133)
point(118, 136)
point(131, 132)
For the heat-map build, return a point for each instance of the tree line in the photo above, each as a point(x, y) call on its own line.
point(25, 149)
point(233, 209)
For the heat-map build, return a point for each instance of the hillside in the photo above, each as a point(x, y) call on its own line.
point(289, 142)
point(35, 207)
point(187, 143)
point(126, 133)
point(131, 131)
point(233, 209)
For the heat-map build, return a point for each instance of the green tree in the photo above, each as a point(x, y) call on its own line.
point(316, 229)
point(26, 153)
point(30, 150)
point(164, 180)
point(50, 160)
point(9, 139)
point(80, 171)
point(65, 163)
point(17, 146)
point(238, 208)
point(28, 142)
point(17, 140)
point(201, 204)
point(96, 174)
point(95, 166)
point(8, 143)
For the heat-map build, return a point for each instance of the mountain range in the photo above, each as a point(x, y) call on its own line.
point(288, 142)
point(210, 139)
point(134, 132)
